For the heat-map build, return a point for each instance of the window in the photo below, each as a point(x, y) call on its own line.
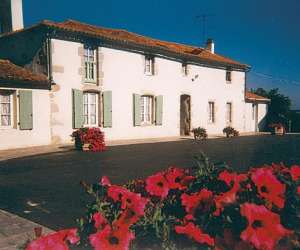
point(146, 109)
point(185, 69)
point(228, 112)
point(90, 109)
point(211, 106)
point(149, 65)
point(228, 76)
point(90, 64)
point(5, 109)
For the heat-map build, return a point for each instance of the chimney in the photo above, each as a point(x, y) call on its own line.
point(11, 15)
point(210, 45)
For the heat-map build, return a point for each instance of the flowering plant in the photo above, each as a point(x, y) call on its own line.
point(199, 133)
point(205, 207)
point(230, 131)
point(92, 137)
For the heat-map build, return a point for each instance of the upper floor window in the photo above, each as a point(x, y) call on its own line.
point(146, 109)
point(228, 112)
point(90, 109)
point(185, 69)
point(5, 109)
point(211, 112)
point(90, 63)
point(228, 76)
point(149, 65)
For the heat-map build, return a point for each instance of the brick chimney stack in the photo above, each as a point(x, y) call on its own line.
point(11, 15)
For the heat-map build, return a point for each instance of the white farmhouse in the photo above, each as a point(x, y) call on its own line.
point(130, 85)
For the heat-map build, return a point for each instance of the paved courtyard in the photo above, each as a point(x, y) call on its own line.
point(45, 188)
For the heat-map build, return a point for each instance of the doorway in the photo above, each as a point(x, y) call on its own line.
point(185, 115)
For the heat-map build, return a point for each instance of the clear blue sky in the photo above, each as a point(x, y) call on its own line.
point(262, 33)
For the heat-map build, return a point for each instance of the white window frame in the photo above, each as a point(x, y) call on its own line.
point(228, 114)
point(90, 64)
point(228, 76)
point(149, 65)
point(147, 111)
point(88, 104)
point(2, 93)
point(211, 112)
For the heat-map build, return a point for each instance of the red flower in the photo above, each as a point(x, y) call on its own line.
point(112, 238)
point(264, 229)
point(55, 241)
point(232, 180)
point(298, 190)
point(116, 192)
point(201, 200)
point(157, 185)
point(105, 181)
point(135, 202)
point(195, 233)
point(177, 178)
point(269, 187)
point(99, 221)
point(295, 172)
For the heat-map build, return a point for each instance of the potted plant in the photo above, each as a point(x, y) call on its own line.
point(199, 133)
point(230, 131)
point(277, 129)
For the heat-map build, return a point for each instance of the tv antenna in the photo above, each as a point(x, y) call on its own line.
point(204, 20)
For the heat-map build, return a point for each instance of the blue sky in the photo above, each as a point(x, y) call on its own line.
point(262, 33)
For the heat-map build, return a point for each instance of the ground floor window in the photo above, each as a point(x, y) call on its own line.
point(5, 109)
point(211, 112)
point(146, 109)
point(228, 112)
point(90, 109)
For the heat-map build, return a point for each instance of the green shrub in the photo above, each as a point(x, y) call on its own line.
point(230, 131)
point(199, 133)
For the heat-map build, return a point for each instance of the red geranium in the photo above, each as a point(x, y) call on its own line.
point(269, 187)
point(264, 229)
point(157, 185)
point(55, 241)
point(195, 233)
point(177, 178)
point(112, 238)
point(201, 200)
point(116, 192)
point(105, 181)
point(231, 178)
point(298, 190)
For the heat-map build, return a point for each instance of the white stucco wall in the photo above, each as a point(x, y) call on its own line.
point(124, 76)
point(39, 135)
point(261, 114)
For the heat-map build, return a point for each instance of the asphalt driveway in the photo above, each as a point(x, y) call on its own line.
point(45, 188)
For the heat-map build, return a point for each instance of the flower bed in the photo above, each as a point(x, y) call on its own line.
point(206, 207)
point(89, 139)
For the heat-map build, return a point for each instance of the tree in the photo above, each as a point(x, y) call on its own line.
point(279, 107)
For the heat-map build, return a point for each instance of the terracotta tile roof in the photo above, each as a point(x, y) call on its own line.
point(254, 97)
point(128, 37)
point(12, 75)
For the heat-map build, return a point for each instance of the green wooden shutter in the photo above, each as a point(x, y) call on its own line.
point(136, 110)
point(107, 109)
point(78, 118)
point(159, 110)
point(25, 105)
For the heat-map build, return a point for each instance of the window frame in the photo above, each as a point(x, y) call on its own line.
point(211, 112)
point(88, 54)
point(145, 110)
point(184, 69)
point(11, 113)
point(229, 113)
point(89, 124)
point(228, 76)
point(149, 62)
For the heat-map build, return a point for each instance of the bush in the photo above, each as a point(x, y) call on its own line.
point(92, 138)
point(206, 207)
point(230, 131)
point(199, 133)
